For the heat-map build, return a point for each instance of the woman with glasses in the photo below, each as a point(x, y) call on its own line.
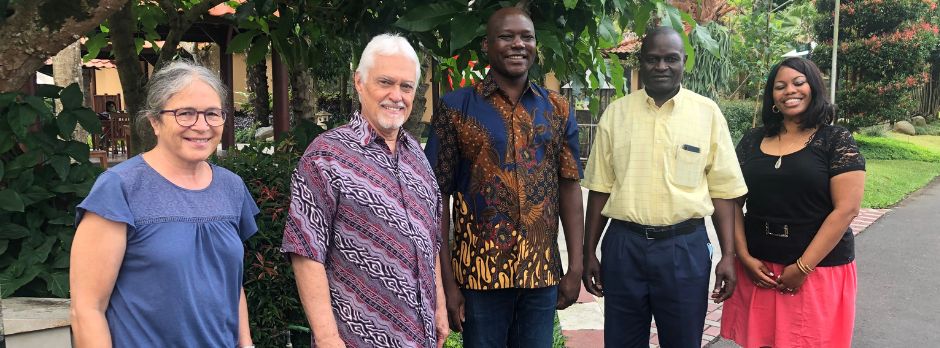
point(157, 256)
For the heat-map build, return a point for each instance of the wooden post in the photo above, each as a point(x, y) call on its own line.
point(281, 102)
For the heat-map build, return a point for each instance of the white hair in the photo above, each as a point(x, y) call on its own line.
point(387, 45)
point(173, 78)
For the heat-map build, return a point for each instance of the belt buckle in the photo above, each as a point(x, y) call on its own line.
point(646, 232)
point(785, 234)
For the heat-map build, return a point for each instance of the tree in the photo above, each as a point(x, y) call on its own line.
point(31, 31)
point(135, 17)
point(257, 75)
point(760, 34)
point(66, 70)
point(712, 72)
point(569, 32)
point(883, 55)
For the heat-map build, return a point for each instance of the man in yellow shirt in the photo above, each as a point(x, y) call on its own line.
point(662, 160)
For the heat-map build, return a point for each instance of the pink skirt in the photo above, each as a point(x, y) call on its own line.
point(820, 314)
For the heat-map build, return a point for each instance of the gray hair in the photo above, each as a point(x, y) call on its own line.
point(387, 45)
point(173, 78)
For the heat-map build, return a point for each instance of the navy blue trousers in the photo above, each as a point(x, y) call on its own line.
point(663, 278)
point(509, 317)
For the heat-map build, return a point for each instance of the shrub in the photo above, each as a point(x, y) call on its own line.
point(273, 303)
point(878, 130)
point(884, 50)
point(740, 115)
point(247, 134)
point(929, 129)
point(44, 174)
point(883, 148)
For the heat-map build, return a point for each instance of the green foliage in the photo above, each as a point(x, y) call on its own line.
point(884, 52)
point(929, 129)
point(455, 340)
point(879, 130)
point(247, 134)
point(269, 281)
point(887, 182)
point(44, 173)
point(760, 37)
point(570, 33)
point(148, 14)
point(740, 116)
point(882, 148)
point(713, 70)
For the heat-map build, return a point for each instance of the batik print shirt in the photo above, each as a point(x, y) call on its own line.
point(372, 218)
point(502, 164)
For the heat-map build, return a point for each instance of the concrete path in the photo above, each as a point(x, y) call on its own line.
point(583, 322)
point(898, 287)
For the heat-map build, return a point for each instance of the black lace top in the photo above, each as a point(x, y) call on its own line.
point(793, 200)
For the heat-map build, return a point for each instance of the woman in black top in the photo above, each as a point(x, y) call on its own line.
point(805, 182)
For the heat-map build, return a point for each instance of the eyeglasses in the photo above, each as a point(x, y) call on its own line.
point(187, 117)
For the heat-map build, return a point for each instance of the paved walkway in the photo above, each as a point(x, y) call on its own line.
point(583, 322)
point(898, 285)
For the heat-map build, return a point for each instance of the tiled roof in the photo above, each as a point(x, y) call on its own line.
point(93, 64)
point(222, 9)
point(100, 64)
point(629, 44)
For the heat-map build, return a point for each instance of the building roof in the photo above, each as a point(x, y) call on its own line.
point(92, 64)
point(222, 9)
point(99, 64)
point(629, 44)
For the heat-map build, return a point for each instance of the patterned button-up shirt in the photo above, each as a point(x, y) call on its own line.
point(372, 218)
point(502, 163)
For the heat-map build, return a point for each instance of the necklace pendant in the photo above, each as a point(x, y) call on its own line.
point(777, 165)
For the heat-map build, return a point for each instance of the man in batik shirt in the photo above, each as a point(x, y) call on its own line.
point(363, 229)
point(506, 151)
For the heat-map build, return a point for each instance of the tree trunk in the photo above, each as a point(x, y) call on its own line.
point(258, 93)
point(3, 341)
point(133, 79)
point(344, 103)
point(66, 70)
point(207, 55)
point(414, 125)
point(88, 79)
point(36, 30)
point(179, 22)
point(304, 94)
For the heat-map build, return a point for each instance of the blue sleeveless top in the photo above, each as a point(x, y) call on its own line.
point(181, 276)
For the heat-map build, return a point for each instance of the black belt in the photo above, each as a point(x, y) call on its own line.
point(661, 232)
point(781, 230)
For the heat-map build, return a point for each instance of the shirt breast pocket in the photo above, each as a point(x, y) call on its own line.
point(689, 168)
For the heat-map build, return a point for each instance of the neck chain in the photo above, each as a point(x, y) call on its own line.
point(780, 147)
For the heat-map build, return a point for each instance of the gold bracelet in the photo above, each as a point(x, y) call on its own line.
point(806, 269)
point(801, 266)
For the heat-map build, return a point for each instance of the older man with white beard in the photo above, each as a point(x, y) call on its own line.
point(363, 228)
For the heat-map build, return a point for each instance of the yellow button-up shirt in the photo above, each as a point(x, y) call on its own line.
point(663, 165)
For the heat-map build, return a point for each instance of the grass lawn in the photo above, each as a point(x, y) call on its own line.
point(887, 182)
point(931, 142)
point(897, 165)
